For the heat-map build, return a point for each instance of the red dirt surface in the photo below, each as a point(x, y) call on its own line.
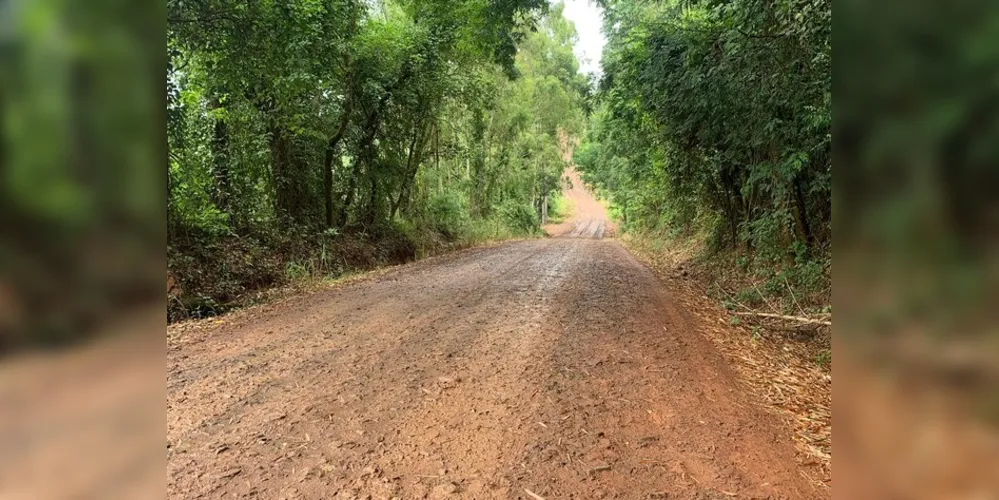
point(588, 218)
point(556, 368)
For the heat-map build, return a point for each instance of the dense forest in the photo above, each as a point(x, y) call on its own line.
point(313, 137)
point(320, 136)
point(713, 119)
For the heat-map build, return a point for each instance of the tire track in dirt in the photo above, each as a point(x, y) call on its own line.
point(519, 366)
point(588, 218)
point(559, 366)
point(637, 391)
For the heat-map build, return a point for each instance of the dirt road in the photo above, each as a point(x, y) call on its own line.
point(554, 368)
point(588, 218)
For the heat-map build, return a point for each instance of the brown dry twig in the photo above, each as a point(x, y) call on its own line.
point(800, 319)
point(533, 494)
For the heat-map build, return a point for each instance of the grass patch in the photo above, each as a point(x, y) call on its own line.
point(560, 210)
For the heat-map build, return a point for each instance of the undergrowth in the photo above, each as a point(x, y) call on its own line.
point(560, 209)
point(746, 281)
point(209, 275)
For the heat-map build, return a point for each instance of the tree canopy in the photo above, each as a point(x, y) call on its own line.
point(322, 117)
point(717, 115)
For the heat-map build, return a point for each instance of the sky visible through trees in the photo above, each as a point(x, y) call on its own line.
point(424, 123)
point(309, 123)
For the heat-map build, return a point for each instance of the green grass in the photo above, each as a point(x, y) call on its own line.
point(561, 209)
point(472, 232)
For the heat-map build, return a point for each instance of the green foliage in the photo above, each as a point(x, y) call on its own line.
point(715, 118)
point(561, 207)
point(341, 113)
point(447, 214)
point(294, 270)
point(518, 215)
point(443, 121)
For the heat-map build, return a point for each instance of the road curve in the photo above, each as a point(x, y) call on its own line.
point(558, 366)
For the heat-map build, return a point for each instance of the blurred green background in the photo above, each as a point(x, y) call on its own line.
point(916, 267)
point(82, 165)
point(916, 96)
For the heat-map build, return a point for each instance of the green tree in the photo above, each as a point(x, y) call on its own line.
point(293, 121)
point(718, 114)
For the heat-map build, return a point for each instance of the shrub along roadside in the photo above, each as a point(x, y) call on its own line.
point(209, 275)
point(713, 121)
point(752, 285)
point(788, 364)
point(561, 208)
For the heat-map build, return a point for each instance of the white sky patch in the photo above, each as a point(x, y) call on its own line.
point(588, 18)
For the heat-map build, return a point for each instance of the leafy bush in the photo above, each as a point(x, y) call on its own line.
point(705, 119)
point(447, 214)
point(518, 216)
point(295, 271)
point(306, 145)
point(559, 208)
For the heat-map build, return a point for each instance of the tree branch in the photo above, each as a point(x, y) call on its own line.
point(800, 319)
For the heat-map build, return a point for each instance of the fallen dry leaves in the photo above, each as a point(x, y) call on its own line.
point(781, 371)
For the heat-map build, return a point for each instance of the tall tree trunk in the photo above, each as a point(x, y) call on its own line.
point(437, 157)
point(409, 164)
point(328, 182)
point(417, 147)
point(733, 201)
point(371, 214)
point(332, 148)
point(350, 194)
point(544, 209)
point(366, 145)
point(365, 161)
point(221, 190)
